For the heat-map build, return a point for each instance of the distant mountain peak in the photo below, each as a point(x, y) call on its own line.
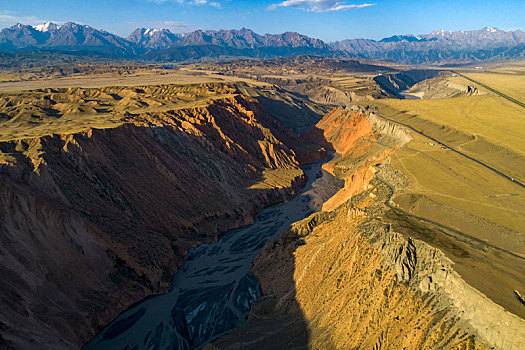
point(152, 38)
point(161, 44)
point(441, 46)
point(441, 32)
point(397, 38)
point(492, 29)
point(152, 31)
point(46, 27)
point(75, 25)
point(67, 37)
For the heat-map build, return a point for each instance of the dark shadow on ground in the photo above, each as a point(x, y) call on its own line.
point(276, 321)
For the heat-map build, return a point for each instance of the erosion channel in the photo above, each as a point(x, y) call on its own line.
point(214, 290)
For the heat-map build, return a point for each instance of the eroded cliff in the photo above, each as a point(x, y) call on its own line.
point(351, 278)
point(98, 217)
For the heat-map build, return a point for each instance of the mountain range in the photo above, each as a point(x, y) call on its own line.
point(440, 46)
point(161, 45)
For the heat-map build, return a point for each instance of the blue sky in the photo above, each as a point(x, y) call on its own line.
point(325, 19)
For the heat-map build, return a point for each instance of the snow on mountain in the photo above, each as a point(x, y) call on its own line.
point(46, 27)
point(162, 44)
point(152, 31)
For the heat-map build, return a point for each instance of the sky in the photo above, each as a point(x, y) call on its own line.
point(329, 20)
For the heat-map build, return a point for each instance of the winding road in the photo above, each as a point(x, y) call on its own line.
point(498, 172)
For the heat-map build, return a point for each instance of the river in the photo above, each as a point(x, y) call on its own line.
point(408, 96)
point(214, 290)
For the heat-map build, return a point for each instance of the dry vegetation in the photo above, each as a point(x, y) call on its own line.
point(338, 279)
point(104, 78)
point(332, 82)
point(479, 214)
point(507, 81)
point(475, 216)
point(69, 110)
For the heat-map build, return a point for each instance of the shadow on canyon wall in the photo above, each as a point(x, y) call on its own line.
point(274, 322)
point(120, 206)
point(277, 320)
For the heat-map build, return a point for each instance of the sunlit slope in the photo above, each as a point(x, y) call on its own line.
point(49, 111)
point(508, 79)
point(361, 274)
point(479, 213)
point(486, 127)
point(103, 191)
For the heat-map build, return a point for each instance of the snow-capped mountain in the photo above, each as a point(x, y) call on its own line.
point(440, 46)
point(162, 45)
point(69, 36)
point(153, 38)
point(47, 27)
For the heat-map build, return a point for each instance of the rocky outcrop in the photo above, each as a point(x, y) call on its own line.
point(346, 278)
point(472, 90)
point(351, 133)
point(318, 90)
point(340, 131)
point(379, 290)
point(395, 83)
point(94, 220)
point(444, 86)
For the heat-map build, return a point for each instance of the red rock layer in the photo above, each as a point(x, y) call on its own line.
point(343, 279)
point(91, 222)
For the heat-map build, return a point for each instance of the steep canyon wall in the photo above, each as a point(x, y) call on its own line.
point(346, 279)
point(97, 219)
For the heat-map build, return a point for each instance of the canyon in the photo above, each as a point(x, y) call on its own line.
point(351, 277)
point(99, 214)
point(276, 208)
point(215, 289)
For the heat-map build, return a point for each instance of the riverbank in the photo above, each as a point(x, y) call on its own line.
point(215, 289)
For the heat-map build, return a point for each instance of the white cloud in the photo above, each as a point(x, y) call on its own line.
point(319, 5)
point(190, 2)
point(173, 26)
point(8, 19)
point(205, 2)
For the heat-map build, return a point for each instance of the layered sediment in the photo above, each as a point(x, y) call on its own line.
point(95, 220)
point(346, 278)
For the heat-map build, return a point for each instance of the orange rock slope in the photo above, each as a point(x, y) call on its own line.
point(95, 220)
point(351, 136)
point(345, 279)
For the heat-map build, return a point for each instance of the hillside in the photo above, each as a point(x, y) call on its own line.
point(128, 210)
point(107, 195)
point(367, 272)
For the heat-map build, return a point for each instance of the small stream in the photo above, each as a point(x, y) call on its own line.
point(407, 96)
point(214, 290)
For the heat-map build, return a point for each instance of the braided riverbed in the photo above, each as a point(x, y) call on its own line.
point(214, 290)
